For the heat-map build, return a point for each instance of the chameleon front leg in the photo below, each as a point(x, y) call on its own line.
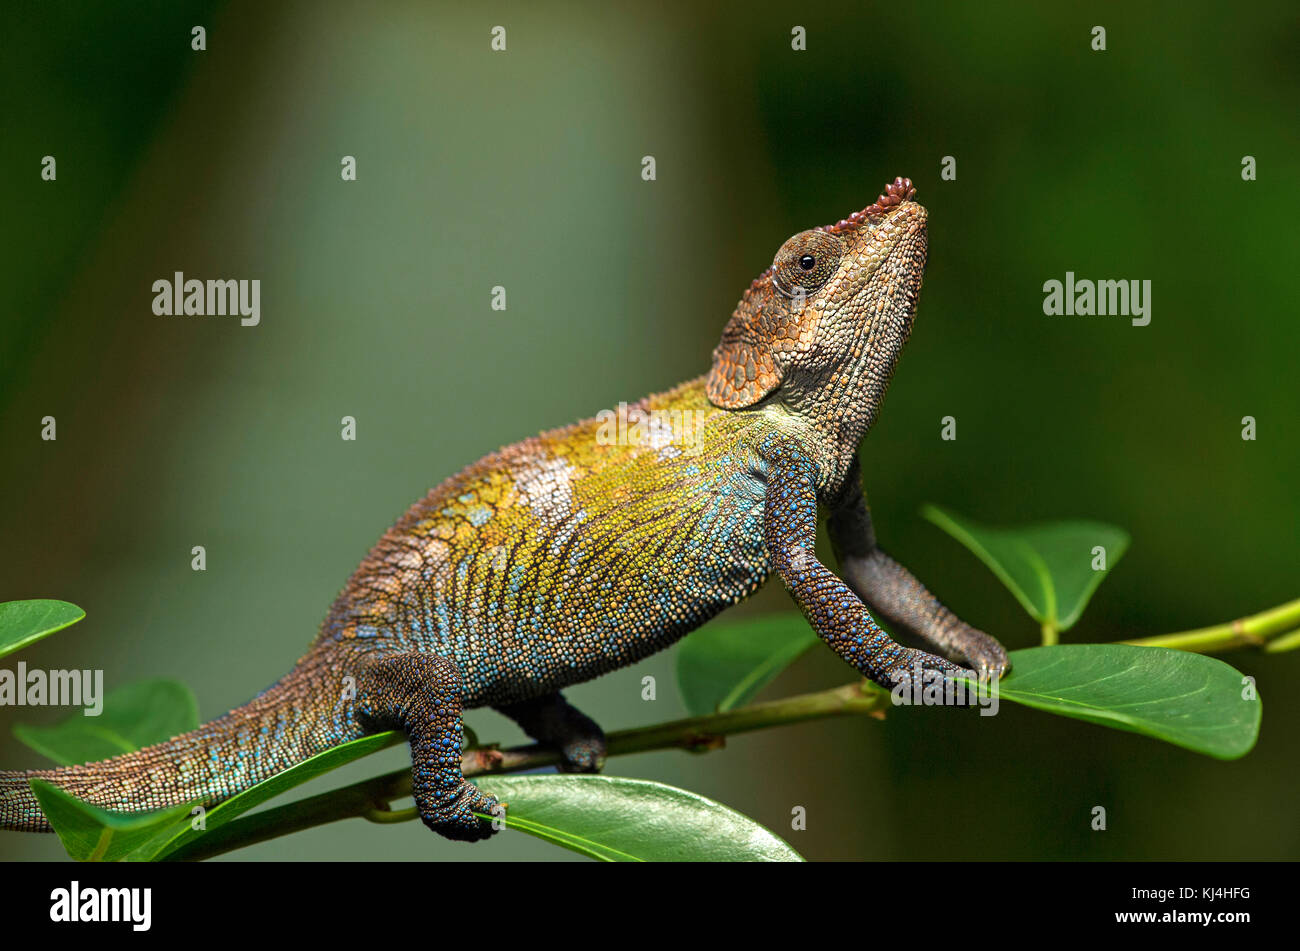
point(837, 614)
point(552, 720)
point(894, 593)
point(421, 695)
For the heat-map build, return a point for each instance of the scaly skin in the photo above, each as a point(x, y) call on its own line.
point(587, 548)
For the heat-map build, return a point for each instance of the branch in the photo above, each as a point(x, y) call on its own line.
point(1258, 630)
point(371, 798)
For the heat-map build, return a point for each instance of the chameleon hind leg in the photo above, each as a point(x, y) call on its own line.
point(552, 720)
point(420, 694)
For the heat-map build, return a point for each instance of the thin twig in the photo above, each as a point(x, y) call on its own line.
point(1257, 630)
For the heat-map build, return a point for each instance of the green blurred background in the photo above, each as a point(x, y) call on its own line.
point(522, 169)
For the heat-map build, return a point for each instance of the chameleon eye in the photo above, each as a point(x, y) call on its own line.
point(807, 261)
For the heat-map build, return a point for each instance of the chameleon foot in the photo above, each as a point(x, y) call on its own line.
point(987, 656)
point(920, 668)
point(550, 719)
point(583, 755)
point(457, 819)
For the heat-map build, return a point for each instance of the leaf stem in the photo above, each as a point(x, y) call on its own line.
point(1257, 630)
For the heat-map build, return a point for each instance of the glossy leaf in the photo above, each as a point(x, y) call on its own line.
point(91, 834)
point(182, 834)
point(88, 831)
point(133, 717)
point(1048, 566)
point(723, 666)
point(25, 622)
point(1187, 699)
point(632, 820)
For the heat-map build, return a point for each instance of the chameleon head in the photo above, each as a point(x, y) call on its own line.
point(825, 323)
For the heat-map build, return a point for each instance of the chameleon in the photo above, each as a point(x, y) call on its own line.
point(587, 548)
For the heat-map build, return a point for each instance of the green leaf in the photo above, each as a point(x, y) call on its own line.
point(1187, 699)
point(134, 716)
point(182, 834)
point(1048, 566)
point(92, 834)
point(89, 832)
point(25, 622)
point(722, 666)
point(632, 820)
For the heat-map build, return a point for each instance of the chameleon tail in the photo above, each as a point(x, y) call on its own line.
point(296, 718)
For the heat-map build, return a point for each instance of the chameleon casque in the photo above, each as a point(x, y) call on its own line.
point(566, 556)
